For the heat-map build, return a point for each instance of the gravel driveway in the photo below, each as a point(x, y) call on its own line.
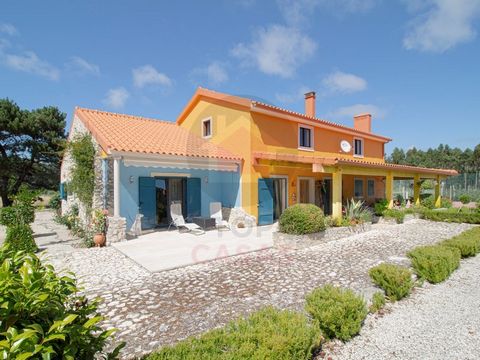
point(154, 309)
point(437, 322)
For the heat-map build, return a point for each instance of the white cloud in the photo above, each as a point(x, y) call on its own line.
point(344, 83)
point(82, 66)
point(441, 24)
point(276, 50)
point(148, 75)
point(350, 111)
point(8, 29)
point(116, 98)
point(216, 73)
point(29, 62)
point(298, 12)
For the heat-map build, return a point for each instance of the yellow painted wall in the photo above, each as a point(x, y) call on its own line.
point(231, 129)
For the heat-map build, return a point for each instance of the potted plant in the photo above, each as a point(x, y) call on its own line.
point(99, 226)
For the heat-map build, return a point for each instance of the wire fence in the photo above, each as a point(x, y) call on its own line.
point(452, 188)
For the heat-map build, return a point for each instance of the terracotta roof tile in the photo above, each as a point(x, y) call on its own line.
point(120, 132)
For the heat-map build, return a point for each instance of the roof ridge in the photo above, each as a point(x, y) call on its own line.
point(125, 115)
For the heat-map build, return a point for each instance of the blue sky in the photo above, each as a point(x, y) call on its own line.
point(414, 64)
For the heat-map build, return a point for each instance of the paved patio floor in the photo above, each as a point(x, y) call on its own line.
point(165, 250)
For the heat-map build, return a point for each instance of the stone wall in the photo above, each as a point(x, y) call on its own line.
point(295, 242)
point(78, 128)
point(117, 229)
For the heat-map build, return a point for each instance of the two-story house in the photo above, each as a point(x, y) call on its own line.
point(239, 151)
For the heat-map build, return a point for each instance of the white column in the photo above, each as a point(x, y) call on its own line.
point(116, 187)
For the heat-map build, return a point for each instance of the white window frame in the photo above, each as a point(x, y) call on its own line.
point(311, 189)
point(363, 147)
point(211, 128)
point(312, 137)
point(373, 195)
point(363, 188)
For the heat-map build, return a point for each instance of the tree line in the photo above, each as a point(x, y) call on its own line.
point(443, 157)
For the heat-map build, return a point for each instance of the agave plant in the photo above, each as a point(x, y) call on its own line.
point(356, 212)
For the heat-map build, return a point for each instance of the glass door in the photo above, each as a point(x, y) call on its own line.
point(162, 202)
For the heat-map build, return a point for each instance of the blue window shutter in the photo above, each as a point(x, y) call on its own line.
point(63, 193)
point(194, 197)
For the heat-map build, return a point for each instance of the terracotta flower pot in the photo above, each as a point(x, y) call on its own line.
point(99, 240)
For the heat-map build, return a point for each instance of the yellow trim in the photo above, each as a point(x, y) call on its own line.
point(337, 194)
point(389, 189)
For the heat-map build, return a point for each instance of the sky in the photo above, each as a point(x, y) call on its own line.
point(413, 64)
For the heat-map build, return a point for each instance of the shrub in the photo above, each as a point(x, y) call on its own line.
point(445, 203)
point(467, 242)
point(266, 334)
point(380, 206)
point(453, 215)
point(302, 219)
point(397, 215)
point(45, 317)
point(20, 238)
point(464, 198)
point(395, 280)
point(434, 263)
point(55, 202)
point(378, 302)
point(339, 312)
point(428, 201)
point(356, 212)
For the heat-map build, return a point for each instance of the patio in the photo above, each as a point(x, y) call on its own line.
point(166, 250)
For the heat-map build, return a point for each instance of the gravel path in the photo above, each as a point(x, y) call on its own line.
point(154, 309)
point(437, 322)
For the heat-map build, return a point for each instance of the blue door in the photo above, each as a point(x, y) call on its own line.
point(147, 201)
point(265, 201)
point(194, 194)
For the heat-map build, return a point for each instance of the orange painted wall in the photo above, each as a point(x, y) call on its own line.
point(278, 135)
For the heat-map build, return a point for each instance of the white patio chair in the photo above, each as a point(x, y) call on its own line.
point(216, 213)
point(179, 222)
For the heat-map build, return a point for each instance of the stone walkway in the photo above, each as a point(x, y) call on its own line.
point(151, 310)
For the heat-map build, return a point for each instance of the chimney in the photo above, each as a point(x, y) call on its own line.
point(310, 104)
point(363, 122)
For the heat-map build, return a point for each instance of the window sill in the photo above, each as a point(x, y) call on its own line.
point(207, 137)
point(305, 149)
point(358, 156)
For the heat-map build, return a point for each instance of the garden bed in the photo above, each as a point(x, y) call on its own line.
point(296, 242)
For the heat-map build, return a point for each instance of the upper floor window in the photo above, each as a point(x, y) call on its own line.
point(207, 128)
point(358, 147)
point(305, 137)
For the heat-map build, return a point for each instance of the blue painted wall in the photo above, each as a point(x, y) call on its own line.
point(223, 186)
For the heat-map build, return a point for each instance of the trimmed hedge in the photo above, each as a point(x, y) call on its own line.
point(302, 219)
point(467, 242)
point(266, 334)
point(395, 280)
point(339, 312)
point(434, 263)
point(20, 238)
point(469, 217)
